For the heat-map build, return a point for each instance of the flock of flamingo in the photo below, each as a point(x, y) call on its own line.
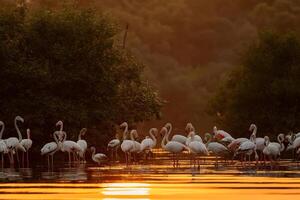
point(220, 144)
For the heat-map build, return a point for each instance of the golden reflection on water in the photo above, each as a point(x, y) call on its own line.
point(187, 187)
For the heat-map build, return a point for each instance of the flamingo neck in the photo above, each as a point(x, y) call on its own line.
point(132, 136)
point(169, 128)
point(28, 134)
point(125, 132)
point(215, 130)
point(254, 130)
point(2, 130)
point(82, 132)
point(55, 137)
point(267, 140)
point(152, 135)
point(207, 135)
point(18, 130)
point(280, 139)
point(164, 139)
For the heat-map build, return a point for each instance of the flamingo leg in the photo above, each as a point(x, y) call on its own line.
point(27, 157)
point(48, 162)
point(2, 161)
point(12, 162)
point(69, 153)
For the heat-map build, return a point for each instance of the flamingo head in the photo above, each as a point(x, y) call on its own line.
point(267, 140)
point(93, 149)
point(207, 136)
point(154, 130)
point(19, 118)
point(252, 127)
point(59, 123)
point(83, 131)
point(134, 133)
point(168, 125)
point(215, 130)
point(163, 131)
point(189, 127)
point(123, 125)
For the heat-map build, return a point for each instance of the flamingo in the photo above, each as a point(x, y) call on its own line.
point(126, 145)
point(196, 147)
point(136, 145)
point(216, 148)
point(99, 157)
point(177, 137)
point(220, 134)
point(51, 148)
point(189, 127)
point(13, 143)
point(68, 145)
point(3, 147)
point(273, 149)
point(247, 148)
point(26, 143)
point(114, 145)
point(259, 141)
point(149, 143)
point(173, 147)
point(82, 143)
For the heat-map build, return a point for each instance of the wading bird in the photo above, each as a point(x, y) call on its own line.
point(98, 157)
point(82, 143)
point(3, 147)
point(51, 148)
point(113, 147)
point(149, 143)
point(13, 143)
point(173, 147)
point(26, 143)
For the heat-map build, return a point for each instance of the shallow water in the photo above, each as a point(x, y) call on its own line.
point(153, 181)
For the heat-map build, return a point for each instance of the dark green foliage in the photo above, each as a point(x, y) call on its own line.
point(65, 65)
point(266, 88)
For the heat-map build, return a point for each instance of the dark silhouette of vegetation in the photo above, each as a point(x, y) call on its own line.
point(264, 90)
point(66, 65)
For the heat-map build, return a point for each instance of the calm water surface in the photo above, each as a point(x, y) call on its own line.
point(152, 181)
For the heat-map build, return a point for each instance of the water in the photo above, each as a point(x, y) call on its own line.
point(157, 180)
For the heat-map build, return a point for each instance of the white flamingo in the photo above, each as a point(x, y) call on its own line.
point(173, 147)
point(3, 147)
point(196, 147)
point(126, 145)
point(189, 127)
point(216, 148)
point(68, 146)
point(220, 134)
point(273, 149)
point(259, 141)
point(82, 143)
point(149, 143)
point(113, 146)
point(99, 157)
point(178, 137)
point(51, 148)
point(13, 143)
point(247, 148)
point(136, 145)
point(26, 143)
